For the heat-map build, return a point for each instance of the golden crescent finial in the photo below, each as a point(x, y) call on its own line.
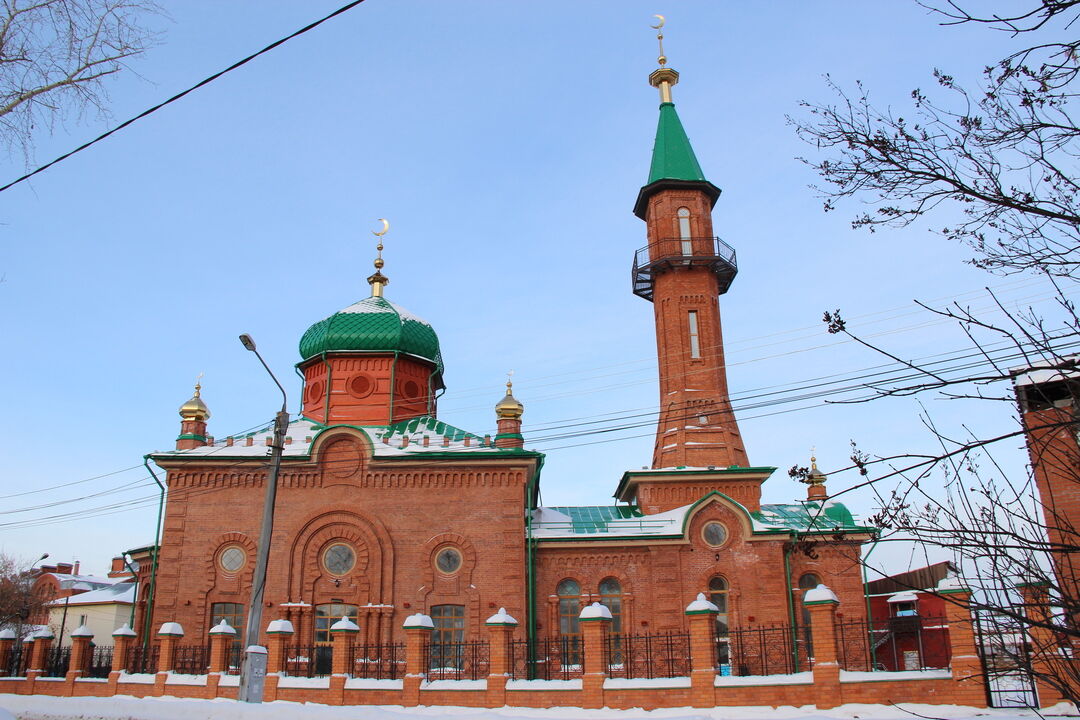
point(385, 228)
point(660, 24)
point(509, 381)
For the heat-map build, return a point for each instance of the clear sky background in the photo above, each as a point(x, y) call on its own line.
point(506, 142)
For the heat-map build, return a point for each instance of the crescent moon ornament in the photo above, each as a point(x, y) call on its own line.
point(659, 24)
point(385, 228)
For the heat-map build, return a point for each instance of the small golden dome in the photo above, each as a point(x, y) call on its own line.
point(509, 407)
point(195, 408)
point(815, 476)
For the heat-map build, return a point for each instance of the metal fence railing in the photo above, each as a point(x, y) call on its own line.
point(465, 660)
point(142, 659)
point(234, 656)
point(57, 661)
point(100, 660)
point(560, 658)
point(14, 663)
point(760, 650)
point(654, 655)
point(377, 661)
point(192, 660)
point(908, 642)
point(308, 660)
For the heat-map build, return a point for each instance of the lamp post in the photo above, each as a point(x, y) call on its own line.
point(253, 668)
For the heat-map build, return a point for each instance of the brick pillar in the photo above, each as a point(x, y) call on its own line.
point(595, 620)
point(822, 603)
point(42, 644)
point(344, 633)
point(1046, 658)
point(501, 630)
point(170, 633)
point(7, 644)
point(222, 636)
point(80, 652)
point(702, 617)
point(123, 639)
point(418, 629)
point(965, 665)
point(278, 635)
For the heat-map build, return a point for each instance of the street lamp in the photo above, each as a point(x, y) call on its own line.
point(253, 669)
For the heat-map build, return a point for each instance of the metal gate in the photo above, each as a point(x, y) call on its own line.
point(1006, 664)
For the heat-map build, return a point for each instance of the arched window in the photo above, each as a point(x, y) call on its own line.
point(718, 596)
point(569, 592)
point(446, 650)
point(684, 231)
point(611, 596)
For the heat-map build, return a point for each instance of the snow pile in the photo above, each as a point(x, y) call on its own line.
point(501, 618)
point(820, 594)
point(419, 620)
point(701, 605)
point(594, 612)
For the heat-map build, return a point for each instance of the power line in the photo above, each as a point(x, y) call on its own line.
point(179, 95)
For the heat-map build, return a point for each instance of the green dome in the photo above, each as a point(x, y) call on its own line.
point(374, 325)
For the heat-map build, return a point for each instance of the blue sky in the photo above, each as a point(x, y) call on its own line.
point(506, 143)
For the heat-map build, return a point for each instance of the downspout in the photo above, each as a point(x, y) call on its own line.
point(530, 570)
point(329, 380)
point(790, 600)
point(866, 598)
point(393, 387)
point(149, 615)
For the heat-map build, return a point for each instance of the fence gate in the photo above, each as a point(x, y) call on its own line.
point(1006, 664)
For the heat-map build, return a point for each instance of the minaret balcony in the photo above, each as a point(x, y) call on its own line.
point(669, 254)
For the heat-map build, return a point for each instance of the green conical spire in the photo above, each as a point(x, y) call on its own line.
point(673, 158)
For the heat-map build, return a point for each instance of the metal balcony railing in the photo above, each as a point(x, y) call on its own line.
point(667, 254)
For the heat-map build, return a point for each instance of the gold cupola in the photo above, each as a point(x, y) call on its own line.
point(509, 407)
point(195, 409)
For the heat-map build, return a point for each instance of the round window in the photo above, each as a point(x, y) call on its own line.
point(410, 390)
point(232, 558)
point(361, 386)
point(339, 559)
point(448, 560)
point(314, 391)
point(715, 533)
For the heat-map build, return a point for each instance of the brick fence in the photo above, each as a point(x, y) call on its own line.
point(600, 670)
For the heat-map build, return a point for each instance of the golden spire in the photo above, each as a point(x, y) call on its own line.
point(378, 281)
point(815, 476)
point(509, 406)
point(195, 408)
point(663, 78)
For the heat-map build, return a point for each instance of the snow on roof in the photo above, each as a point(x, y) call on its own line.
point(398, 440)
point(123, 593)
point(906, 596)
point(69, 581)
point(1036, 375)
point(629, 521)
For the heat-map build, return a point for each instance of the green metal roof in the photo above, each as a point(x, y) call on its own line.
point(673, 158)
point(807, 516)
point(373, 325)
point(595, 518)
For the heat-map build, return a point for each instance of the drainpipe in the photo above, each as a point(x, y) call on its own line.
point(866, 598)
point(530, 571)
point(393, 387)
point(790, 600)
point(329, 381)
point(149, 615)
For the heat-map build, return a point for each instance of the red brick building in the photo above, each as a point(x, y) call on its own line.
point(384, 510)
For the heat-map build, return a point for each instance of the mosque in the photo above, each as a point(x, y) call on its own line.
point(384, 510)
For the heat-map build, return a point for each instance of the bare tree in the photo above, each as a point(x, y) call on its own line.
point(54, 55)
point(1002, 153)
point(19, 601)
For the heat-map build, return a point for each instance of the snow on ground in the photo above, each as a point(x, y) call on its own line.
point(41, 707)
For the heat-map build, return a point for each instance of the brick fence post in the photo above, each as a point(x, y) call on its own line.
point(123, 639)
point(80, 653)
point(278, 634)
point(40, 654)
point(1046, 658)
point(170, 633)
point(822, 603)
point(7, 644)
point(595, 620)
point(500, 629)
point(222, 636)
point(702, 617)
point(418, 629)
point(965, 665)
point(343, 633)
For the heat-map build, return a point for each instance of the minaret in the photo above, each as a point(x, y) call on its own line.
point(508, 413)
point(193, 417)
point(682, 271)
